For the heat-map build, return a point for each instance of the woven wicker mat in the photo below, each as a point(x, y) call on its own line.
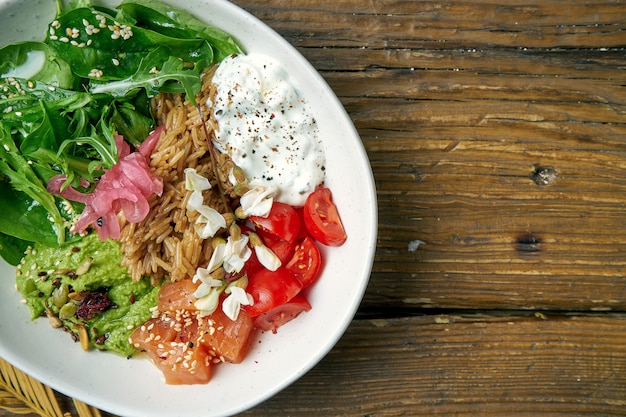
point(21, 394)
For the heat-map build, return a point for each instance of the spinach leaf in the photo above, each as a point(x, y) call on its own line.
point(24, 218)
point(12, 249)
point(36, 61)
point(57, 118)
point(131, 122)
point(102, 48)
point(22, 178)
point(158, 16)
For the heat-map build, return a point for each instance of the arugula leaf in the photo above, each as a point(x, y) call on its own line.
point(151, 77)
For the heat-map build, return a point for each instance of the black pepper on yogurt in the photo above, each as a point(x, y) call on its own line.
point(267, 127)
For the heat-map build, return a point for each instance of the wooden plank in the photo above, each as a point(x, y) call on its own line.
point(427, 24)
point(501, 147)
point(503, 364)
point(506, 365)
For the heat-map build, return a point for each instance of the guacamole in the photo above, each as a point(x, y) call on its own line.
point(82, 287)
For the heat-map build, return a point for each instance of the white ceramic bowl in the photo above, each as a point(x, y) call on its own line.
point(134, 387)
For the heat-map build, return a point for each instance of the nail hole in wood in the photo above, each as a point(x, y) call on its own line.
point(544, 175)
point(528, 243)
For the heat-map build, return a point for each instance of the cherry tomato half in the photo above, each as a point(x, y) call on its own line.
point(306, 262)
point(322, 220)
point(270, 289)
point(282, 314)
point(282, 222)
point(282, 248)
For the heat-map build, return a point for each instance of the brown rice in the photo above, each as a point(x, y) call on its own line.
point(165, 244)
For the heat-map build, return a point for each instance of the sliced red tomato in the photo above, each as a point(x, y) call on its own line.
point(229, 339)
point(322, 220)
point(282, 222)
point(306, 262)
point(253, 264)
point(180, 359)
point(269, 289)
point(282, 248)
point(282, 314)
point(177, 295)
point(303, 230)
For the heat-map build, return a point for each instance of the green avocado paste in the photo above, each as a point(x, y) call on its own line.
point(82, 288)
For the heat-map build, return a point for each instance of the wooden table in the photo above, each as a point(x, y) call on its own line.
point(497, 136)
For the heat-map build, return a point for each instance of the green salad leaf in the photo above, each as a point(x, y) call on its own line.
point(37, 60)
point(63, 100)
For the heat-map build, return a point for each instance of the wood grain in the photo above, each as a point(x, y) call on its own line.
point(496, 131)
point(467, 365)
point(461, 107)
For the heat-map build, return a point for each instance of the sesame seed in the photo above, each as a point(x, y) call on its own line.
point(116, 62)
point(86, 22)
point(64, 39)
point(18, 113)
point(96, 73)
point(54, 38)
point(6, 148)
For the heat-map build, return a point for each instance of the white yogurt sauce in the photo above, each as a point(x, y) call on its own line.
point(267, 128)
